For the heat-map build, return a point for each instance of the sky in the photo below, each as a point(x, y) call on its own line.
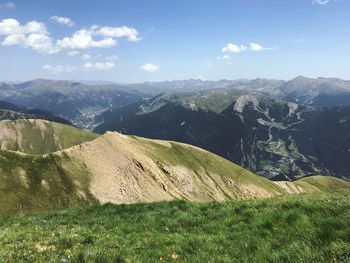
point(156, 40)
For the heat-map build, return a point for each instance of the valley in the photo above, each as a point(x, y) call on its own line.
point(77, 102)
point(174, 131)
point(140, 187)
point(48, 166)
point(268, 136)
point(82, 102)
point(244, 121)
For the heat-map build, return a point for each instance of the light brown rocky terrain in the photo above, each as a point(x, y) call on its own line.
point(120, 168)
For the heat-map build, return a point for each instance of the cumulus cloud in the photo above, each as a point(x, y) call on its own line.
point(82, 39)
point(62, 20)
point(86, 56)
point(150, 67)
point(58, 69)
point(112, 58)
point(124, 31)
point(321, 2)
point(99, 66)
point(33, 35)
point(233, 48)
point(73, 53)
point(41, 43)
point(12, 27)
point(8, 5)
point(258, 47)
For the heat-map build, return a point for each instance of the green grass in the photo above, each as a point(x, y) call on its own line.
point(35, 140)
point(37, 183)
point(216, 100)
point(304, 228)
point(323, 183)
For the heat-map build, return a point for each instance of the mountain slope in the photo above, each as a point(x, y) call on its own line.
point(10, 111)
point(270, 137)
point(321, 92)
point(152, 170)
point(40, 136)
point(81, 103)
point(122, 169)
point(126, 169)
point(73, 100)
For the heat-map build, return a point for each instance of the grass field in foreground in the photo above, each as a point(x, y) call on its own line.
point(300, 228)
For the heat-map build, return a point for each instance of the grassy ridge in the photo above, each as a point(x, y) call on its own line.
point(304, 228)
point(34, 182)
point(39, 136)
point(64, 179)
point(265, 135)
point(323, 183)
point(196, 159)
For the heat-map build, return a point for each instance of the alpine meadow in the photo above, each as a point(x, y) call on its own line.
point(174, 131)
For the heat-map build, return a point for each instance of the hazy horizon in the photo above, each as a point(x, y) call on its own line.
point(99, 81)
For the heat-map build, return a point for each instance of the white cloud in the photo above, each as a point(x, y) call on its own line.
point(258, 47)
point(73, 53)
point(41, 43)
point(321, 2)
point(12, 27)
point(99, 66)
point(112, 58)
point(86, 56)
point(82, 39)
point(209, 64)
point(87, 66)
point(33, 35)
point(59, 69)
point(150, 67)
point(8, 5)
point(226, 57)
point(123, 31)
point(62, 20)
point(233, 48)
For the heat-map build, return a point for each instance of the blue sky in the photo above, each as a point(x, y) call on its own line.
point(156, 40)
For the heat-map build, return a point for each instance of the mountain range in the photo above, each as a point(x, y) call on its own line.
point(268, 136)
point(82, 168)
point(318, 92)
point(10, 111)
point(81, 102)
point(281, 130)
point(74, 101)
